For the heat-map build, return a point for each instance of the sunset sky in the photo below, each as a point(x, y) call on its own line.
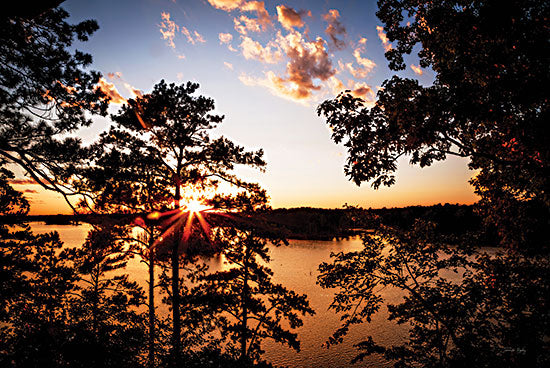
point(267, 65)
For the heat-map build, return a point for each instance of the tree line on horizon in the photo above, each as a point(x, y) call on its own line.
point(76, 307)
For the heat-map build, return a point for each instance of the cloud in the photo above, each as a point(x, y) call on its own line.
point(225, 38)
point(290, 18)
point(228, 65)
point(115, 75)
point(264, 20)
point(335, 28)
point(417, 70)
point(308, 61)
point(365, 63)
point(181, 56)
point(168, 29)
point(226, 5)
point(356, 72)
point(357, 89)
point(361, 90)
point(192, 40)
point(243, 25)
point(258, 7)
point(30, 191)
point(275, 85)
point(199, 37)
point(110, 90)
point(251, 49)
point(179, 75)
point(22, 181)
point(385, 42)
point(133, 91)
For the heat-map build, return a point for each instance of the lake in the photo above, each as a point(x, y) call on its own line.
point(294, 266)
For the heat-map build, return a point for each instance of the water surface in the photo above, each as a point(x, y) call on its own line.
point(294, 266)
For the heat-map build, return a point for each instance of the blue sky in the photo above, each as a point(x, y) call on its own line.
point(267, 65)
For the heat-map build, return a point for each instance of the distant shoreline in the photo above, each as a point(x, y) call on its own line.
point(306, 223)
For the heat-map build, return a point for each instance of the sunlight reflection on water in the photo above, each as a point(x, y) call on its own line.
point(294, 266)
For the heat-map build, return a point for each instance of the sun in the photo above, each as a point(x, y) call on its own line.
point(192, 205)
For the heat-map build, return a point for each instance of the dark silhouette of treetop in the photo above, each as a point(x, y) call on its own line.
point(488, 100)
point(45, 92)
point(159, 151)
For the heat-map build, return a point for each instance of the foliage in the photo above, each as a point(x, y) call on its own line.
point(248, 305)
point(61, 306)
point(110, 331)
point(463, 307)
point(44, 93)
point(159, 150)
point(487, 103)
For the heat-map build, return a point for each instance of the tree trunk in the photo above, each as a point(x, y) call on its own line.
point(176, 323)
point(244, 304)
point(151, 362)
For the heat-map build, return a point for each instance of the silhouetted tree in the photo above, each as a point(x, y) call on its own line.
point(44, 93)
point(464, 307)
point(250, 307)
point(109, 330)
point(36, 280)
point(163, 139)
point(124, 180)
point(488, 103)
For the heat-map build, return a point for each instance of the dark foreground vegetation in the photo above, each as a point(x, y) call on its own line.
point(77, 307)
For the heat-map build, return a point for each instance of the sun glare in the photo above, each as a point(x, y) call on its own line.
point(193, 206)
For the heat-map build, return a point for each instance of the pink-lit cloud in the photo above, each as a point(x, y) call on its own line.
point(133, 91)
point(382, 35)
point(111, 91)
point(290, 18)
point(243, 25)
point(270, 54)
point(168, 29)
point(358, 89)
point(335, 28)
point(192, 37)
point(417, 70)
point(199, 37)
point(365, 63)
point(226, 5)
point(228, 65)
point(225, 38)
point(308, 61)
point(115, 75)
point(264, 20)
point(23, 182)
